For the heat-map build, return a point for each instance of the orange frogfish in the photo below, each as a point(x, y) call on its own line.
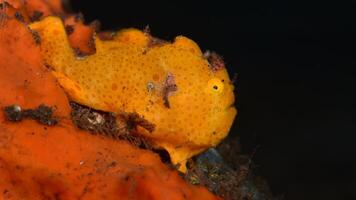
point(171, 85)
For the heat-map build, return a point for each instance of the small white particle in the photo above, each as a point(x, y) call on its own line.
point(150, 86)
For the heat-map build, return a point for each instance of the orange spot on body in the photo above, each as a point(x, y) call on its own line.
point(114, 86)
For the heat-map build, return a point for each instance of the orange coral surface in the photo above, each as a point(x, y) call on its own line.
point(62, 162)
point(35, 10)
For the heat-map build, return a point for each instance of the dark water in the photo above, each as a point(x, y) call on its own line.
point(296, 75)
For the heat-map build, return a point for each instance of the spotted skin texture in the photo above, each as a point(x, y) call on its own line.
point(127, 74)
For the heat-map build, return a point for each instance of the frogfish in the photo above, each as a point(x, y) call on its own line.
point(171, 84)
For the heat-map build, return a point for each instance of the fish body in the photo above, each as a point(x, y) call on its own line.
point(170, 84)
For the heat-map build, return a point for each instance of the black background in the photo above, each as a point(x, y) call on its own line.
point(296, 71)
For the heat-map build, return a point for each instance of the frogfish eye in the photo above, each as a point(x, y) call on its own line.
point(215, 85)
